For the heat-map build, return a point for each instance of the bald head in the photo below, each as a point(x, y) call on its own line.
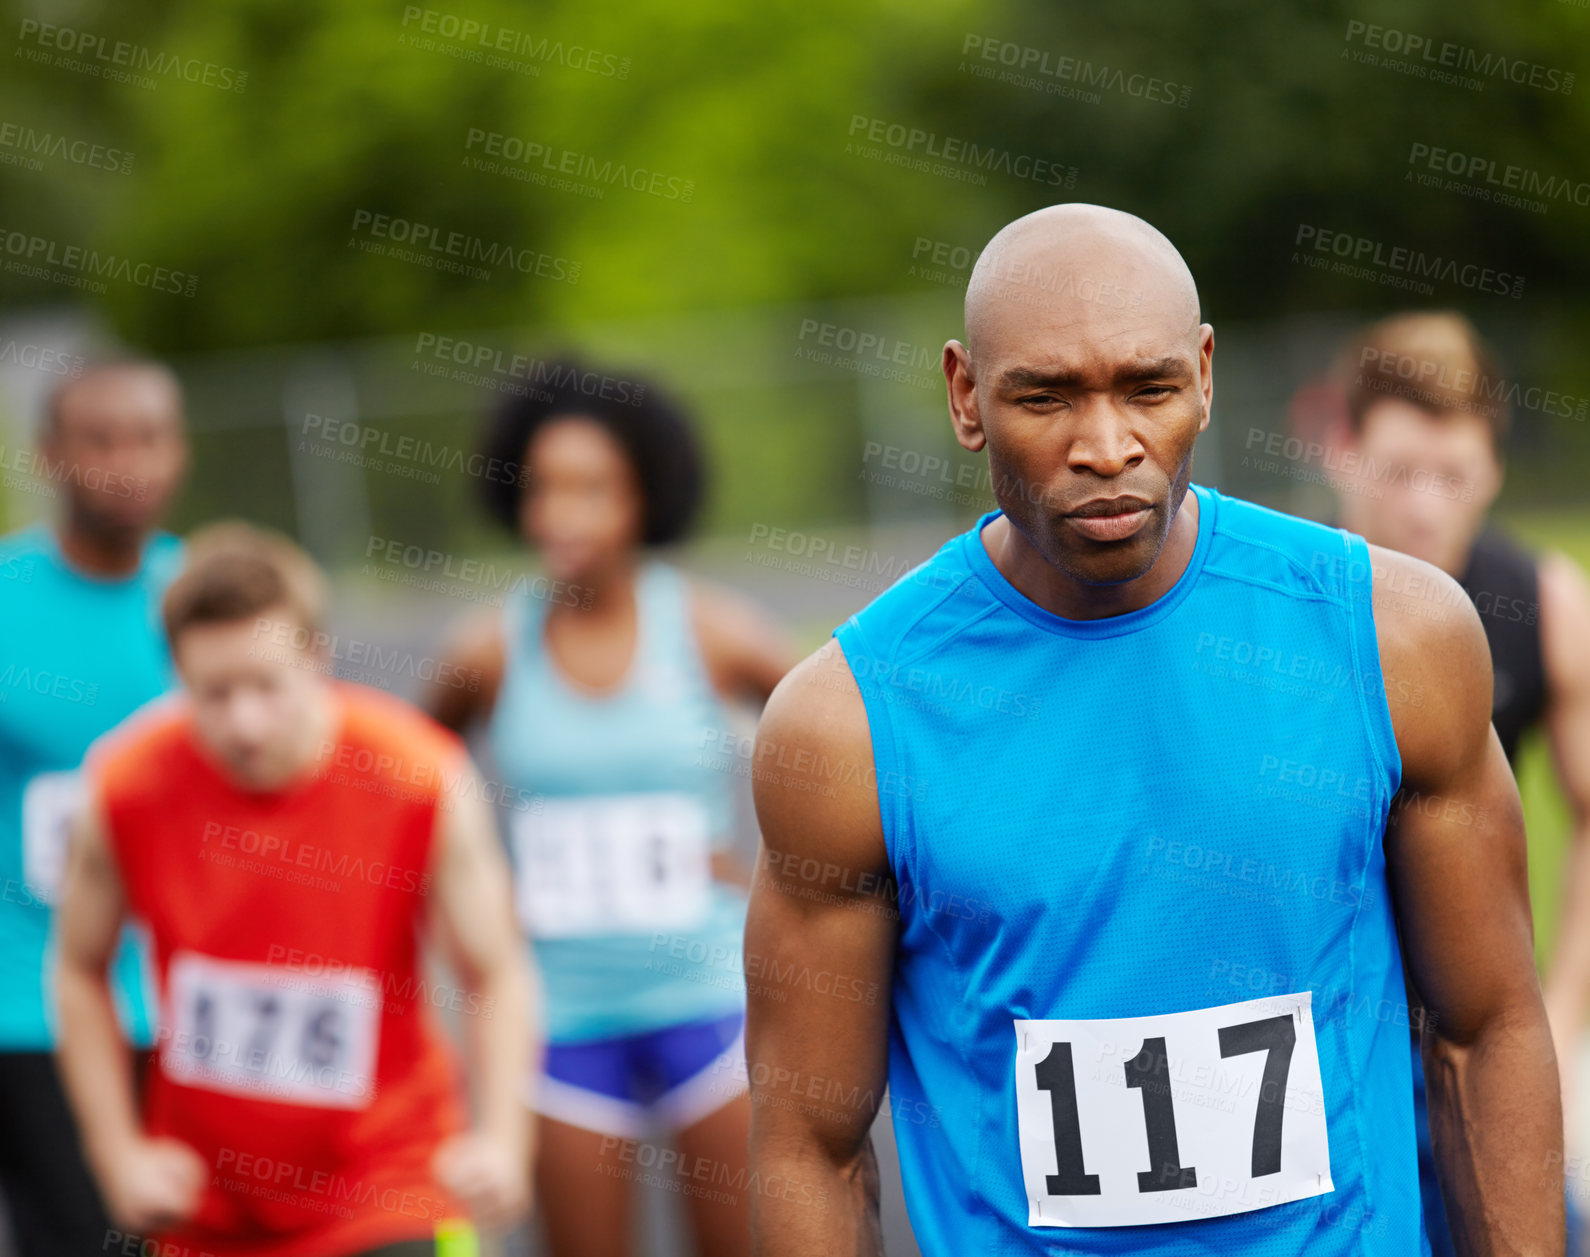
point(1078, 264)
point(113, 439)
point(1087, 375)
point(149, 387)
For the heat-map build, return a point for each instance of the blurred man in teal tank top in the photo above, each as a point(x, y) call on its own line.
point(80, 648)
point(603, 682)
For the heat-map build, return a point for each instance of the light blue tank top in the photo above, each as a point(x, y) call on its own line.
point(590, 765)
point(77, 655)
point(1176, 809)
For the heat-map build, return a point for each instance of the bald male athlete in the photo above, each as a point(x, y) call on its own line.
point(80, 648)
point(1131, 789)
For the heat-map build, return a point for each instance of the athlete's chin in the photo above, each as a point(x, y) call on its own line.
point(254, 769)
point(124, 517)
point(1431, 549)
point(1107, 569)
point(1105, 563)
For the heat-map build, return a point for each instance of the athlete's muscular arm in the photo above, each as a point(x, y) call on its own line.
point(745, 651)
point(472, 917)
point(469, 673)
point(818, 903)
point(746, 655)
point(1564, 630)
point(148, 1184)
point(1455, 857)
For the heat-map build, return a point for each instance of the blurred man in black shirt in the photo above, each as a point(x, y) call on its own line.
point(1418, 441)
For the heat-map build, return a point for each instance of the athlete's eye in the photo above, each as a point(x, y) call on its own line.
point(1155, 391)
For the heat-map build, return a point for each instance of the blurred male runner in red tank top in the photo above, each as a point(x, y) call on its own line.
point(288, 839)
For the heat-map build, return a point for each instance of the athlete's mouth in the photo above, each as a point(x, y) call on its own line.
point(1110, 519)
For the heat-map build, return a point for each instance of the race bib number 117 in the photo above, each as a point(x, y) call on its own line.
point(1134, 1120)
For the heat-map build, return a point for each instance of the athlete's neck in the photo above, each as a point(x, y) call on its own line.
point(605, 593)
point(99, 551)
point(319, 732)
point(1041, 582)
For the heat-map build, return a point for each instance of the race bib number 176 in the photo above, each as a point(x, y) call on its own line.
point(1135, 1120)
point(271, 1033)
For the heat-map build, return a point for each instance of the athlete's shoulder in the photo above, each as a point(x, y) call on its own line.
point(129, 757)
point(1434, 658)
point(1259, 545)
point(27, 574)
point(390, 727)
point(31, 541)
point(926, 603)
point(164, 554)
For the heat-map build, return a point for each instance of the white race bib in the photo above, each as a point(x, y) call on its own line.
point(271, 1033)
point(624, 863)
point(49, 802)
point(1135, 1120)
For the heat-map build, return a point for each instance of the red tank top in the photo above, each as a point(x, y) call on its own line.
point(298, 1051)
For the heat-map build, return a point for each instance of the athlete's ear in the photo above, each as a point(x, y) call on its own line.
point(1206, 371)
point(964, 417)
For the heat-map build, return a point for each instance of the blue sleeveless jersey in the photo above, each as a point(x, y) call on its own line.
point(77, 654)
point(555, 745)
point(1175, 809)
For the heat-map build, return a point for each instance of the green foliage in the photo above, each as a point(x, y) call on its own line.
point(1266, 121)
point(345, 110)
point(1284, 125)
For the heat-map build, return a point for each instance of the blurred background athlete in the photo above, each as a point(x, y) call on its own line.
point(80, 648)
point(291, 841)
point(605, 699)
point(1422, 420)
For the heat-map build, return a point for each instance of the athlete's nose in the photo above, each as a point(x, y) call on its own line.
point(248, 716)
point(1102, 441)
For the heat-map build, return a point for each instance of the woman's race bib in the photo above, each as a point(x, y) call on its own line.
point(627, 863)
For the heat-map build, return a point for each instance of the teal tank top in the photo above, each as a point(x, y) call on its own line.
point(77, 655)
point(617, 811)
